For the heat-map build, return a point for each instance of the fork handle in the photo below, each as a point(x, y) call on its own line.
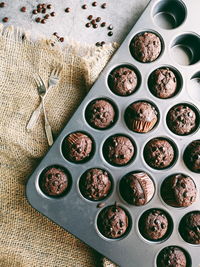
point(47, 126)
point(34, 117)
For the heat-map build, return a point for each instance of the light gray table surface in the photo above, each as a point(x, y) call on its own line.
point(122, 14)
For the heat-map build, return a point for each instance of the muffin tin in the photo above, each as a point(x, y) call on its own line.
point(177, 23)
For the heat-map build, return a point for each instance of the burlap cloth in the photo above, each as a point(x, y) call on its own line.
point(28, 238)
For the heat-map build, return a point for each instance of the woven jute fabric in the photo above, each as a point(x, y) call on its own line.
point(28, 238)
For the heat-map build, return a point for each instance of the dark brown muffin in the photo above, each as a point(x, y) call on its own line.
point(141, 117)
point(172, 257)
point(100, 114)
point(181, 120)
point(113, 222)
point(192, 156)
point(189, 227)
point(146, 47)
point(163, 83)
point(118, 150)
point(95, 184)
point(154, 224)
point(77, 147)
point(137, 188)
point(123, 81)
point(54, 181)
point(159, 153)
point(179, 190)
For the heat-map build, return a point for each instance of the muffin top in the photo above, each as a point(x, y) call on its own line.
point(172, 256)
point(163, 83)
point(159, 153)
point(113, 222)
point(181, 120)
point(146, 47)
point(123, 81)
point(95, 184)
point(100, 114)
point(192, 156)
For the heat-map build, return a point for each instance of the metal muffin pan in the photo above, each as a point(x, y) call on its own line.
point(177, 23)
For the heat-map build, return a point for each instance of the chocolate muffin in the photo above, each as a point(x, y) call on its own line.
point(192, 156)
point(159, 153)
point(77, 147)
point(95, 184)
point(54, 181)
point(154, 224)
point(123, 81)
point(163, 83)
point(146, 47)
point(179, 190)
point(118, 150)
point(181, 119)
point(100, 114)
point(189, 227)
point(137, 188)
point(113, 222)
point(172, 257)
point(141, 117)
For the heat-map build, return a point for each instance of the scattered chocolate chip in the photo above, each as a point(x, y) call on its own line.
point(43, 21)
point(44, 10)
point(84, 6)
point(95, 26)
point(55, 33)
point(53, 14)
point(110, 33)
point(101, 205)
point(5, 19)
point(98, 19)
point(103, 24)
point(2, 4)
point(39, 6)
point(94, 4)
point(39, 10)
point(98, 44)
point(61, 39)
point(104, 5)
point(38, 19)
point(68, 9)
point(93, 21)
point(110, 27)
point(34, 11)
point(90, 17)
point(23, 9)
point(44, 5)
point(102, 43)
point(49, 6)
point(46, 16)
point(87, 25)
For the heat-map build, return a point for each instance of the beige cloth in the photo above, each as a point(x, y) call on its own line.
point(28, 238)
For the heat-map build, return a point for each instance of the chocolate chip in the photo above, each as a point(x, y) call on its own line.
point(103, 24)
point(84, 6)
point(95, 26)
point(34, 11)
point(39, 10)
point(49, 176)
point(153, 228)
point(94, 4)
point(68, 9)
point(38, 19)
point(46, 16)
point(53, 14)
point(98, 44)
point(55, 33)
point(2, 4)
point(58, 175)
point(120, 232)
point(110, 33)
point(44, 5)
point(43, 21)
point(104, 5)
point(163, 226)
point(5, 19)
point(90, 17)
point(49, 6)
point(183, 185)
point(93, 21)
point(157, 221)
point(23, 9)
point(61, 39)
point(88, 25)
point(98, 19)
point(185, 194)
point(102, 43)
point(110, 27)
point(39, 6)
point(122, 156)
point(44, 10)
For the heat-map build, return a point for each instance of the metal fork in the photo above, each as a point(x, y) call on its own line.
point(42, 92)
point(53, 81)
